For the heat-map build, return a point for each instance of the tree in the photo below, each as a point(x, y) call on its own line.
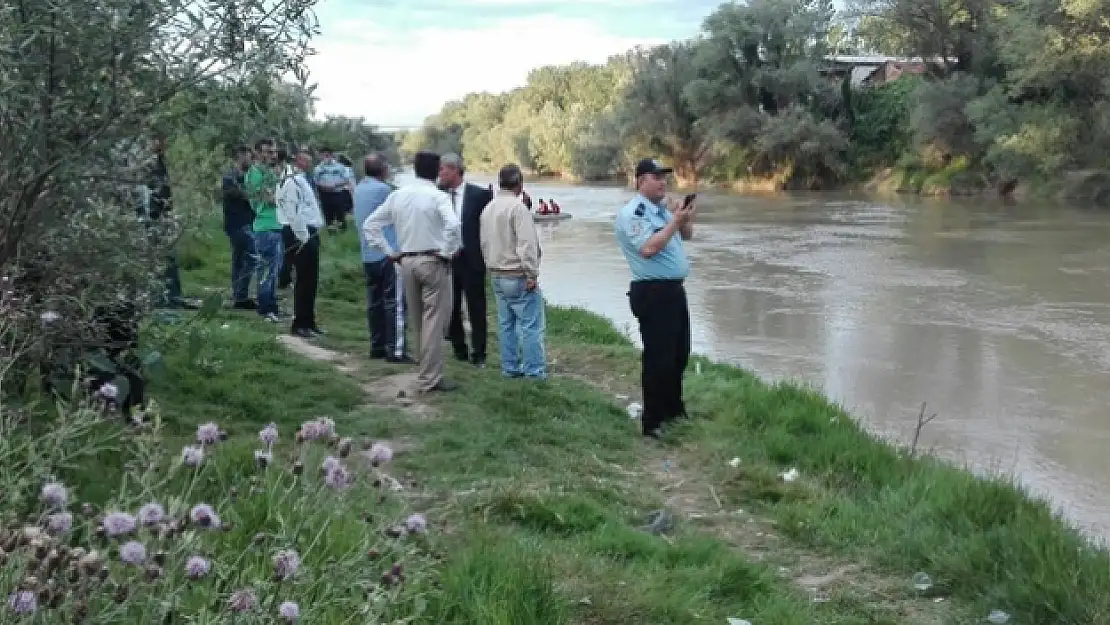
point(657, 113)
point(85, 84)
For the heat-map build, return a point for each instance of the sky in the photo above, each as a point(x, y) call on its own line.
point(394, 62)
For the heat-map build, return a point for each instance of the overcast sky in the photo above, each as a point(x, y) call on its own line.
point(396, 61)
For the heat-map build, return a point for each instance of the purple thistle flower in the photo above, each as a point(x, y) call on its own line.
point(118, 523)
point(310, 430)
point(286, 563)
point(197, 567)
point(192, 456)
point(338, 478)
point(59, 523)
point(54, 494)
point(203, 515)
point(108, 391)
point(23, 602)
point(289, 611)
point(416, 524)
point(151, 513)
point(132, 552)
point(208, 434)
point(329, 464)
point(325, 426)
point(242, 601)
point(380, 453)
point(269, 434)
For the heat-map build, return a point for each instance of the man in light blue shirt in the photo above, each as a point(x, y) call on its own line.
point(650, 236)
point(385, 301)
point(334, 187)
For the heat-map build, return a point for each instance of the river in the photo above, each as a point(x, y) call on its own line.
point(997, 316)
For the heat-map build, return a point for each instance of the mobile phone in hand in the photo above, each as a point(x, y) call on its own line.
point(689, 198)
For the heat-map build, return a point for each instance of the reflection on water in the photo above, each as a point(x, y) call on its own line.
point(997, 316)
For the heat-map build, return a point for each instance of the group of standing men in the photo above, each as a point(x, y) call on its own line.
point(434, 241)
point(429, 247)
point(274, 207)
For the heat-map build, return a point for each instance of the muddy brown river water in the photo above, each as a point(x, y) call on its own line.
point(997, 316)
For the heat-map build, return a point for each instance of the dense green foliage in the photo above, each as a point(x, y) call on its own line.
point(1010, 91)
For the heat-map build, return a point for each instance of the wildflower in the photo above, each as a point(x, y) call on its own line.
point(338, 478)
point(286, 563)
point(330, 463)
point(132, 552)
point(325, 427)
point(310, 430)
point(203, 515)
point(269, 434)
point(151, 513)
point(263, 458)
point(118, 523)
point(108, 391)
point(242, 601)
point(289, 611)
point(380, 453)
point(192, 456)
point(49, 317)
point(197, 567)
point(59, 523)
point(416, 524)
point(23, 602)
point(54, 494)
point(208, 434)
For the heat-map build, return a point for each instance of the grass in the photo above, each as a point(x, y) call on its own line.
point(538, 492)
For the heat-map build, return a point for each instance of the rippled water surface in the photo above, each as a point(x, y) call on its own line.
point(997, 316)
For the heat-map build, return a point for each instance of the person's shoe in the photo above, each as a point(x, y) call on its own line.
point(512, 375)
point(245, 304)
point(272, 317)
point(655, 434)
point(400, 360)
point(377, 354)
point(317, 331)
point(478, 361)
point(303, 333)
point(444, 386)
point(462, 356)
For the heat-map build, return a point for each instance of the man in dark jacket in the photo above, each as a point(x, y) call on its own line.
point(468, 270)
point(239, 226)
point(160, 202)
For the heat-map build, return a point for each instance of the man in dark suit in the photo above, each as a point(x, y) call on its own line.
point(468, 270)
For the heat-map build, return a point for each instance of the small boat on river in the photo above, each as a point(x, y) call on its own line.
point(541, 218)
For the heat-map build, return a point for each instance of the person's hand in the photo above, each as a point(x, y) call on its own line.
point(530, 284)
point(684, 215)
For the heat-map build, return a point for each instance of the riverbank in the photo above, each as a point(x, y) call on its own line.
point(539, 496)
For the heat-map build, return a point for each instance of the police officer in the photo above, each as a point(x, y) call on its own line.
point(650, 236)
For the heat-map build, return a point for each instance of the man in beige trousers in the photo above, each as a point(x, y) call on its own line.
point(429, 235)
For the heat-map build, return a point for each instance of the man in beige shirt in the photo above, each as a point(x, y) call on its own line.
point(511, 251)
point(428, 232)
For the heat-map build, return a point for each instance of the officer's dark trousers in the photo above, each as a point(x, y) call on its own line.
point(660, 307)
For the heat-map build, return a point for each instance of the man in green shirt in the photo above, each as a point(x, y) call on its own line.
point(261, 183)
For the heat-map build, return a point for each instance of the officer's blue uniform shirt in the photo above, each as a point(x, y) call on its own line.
point(330, 173)
point(636, 222)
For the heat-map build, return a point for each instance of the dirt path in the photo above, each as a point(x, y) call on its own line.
point(687, 494)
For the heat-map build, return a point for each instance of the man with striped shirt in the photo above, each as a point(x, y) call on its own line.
point(385, 300)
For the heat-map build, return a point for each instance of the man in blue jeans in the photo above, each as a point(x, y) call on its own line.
point(385, 310)
point(511, 250)
point(261, 183)
point(239, 226)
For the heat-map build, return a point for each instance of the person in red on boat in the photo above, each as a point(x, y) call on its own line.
point(554, 206)
point(544, 210)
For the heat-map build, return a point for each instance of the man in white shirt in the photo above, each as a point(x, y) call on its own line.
point(429, 235)
point(298, 208)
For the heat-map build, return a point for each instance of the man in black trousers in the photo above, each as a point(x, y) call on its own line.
point(468, 270)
